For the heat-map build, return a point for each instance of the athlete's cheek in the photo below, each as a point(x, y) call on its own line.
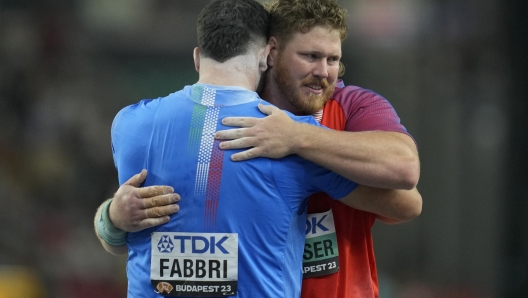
point(332, 75)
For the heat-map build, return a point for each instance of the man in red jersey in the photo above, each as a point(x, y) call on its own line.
point(374, 150)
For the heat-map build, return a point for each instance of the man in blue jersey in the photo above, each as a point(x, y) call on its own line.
point(225, 240)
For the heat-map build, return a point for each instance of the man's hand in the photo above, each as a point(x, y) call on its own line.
point(272, 136)
point(134, 209)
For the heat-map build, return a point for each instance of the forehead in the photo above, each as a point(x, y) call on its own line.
point(320, 39)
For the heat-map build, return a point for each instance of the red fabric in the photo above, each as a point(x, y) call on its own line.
point(353, 109)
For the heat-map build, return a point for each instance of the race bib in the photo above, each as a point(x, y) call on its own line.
point(321, 256)
point(194, 264)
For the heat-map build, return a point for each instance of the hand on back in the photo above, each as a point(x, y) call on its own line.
point(134, 209)
point(272, 136)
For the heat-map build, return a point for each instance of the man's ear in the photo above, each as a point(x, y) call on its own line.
point(196, 57)
point(273, 45)
point(263, 63)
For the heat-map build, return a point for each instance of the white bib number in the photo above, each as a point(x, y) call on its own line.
point(194, 264)
point(321, 256)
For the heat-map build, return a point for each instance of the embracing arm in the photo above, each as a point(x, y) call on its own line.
point(373, 158)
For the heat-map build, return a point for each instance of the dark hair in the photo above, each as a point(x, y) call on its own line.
point(227, 27)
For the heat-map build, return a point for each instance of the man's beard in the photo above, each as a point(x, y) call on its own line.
point(303, 104)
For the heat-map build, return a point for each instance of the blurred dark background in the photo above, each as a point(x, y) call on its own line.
point(455, 71)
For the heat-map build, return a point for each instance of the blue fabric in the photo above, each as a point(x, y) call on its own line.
point(261, 199)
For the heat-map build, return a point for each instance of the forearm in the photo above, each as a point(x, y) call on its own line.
point(115, 250)
point(372, 158)
point(391, 206)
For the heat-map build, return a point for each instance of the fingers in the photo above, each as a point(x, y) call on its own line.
point(267, 109)
point(162, 200)
point(240, 121)
point(156, 212)
point(231, 134)
point(152, 222)
point(245, 155)
point(152, 191)
point(137, 179)
point(237, 144)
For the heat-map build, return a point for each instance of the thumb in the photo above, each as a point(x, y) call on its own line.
point(137, 179)
point(267, 109)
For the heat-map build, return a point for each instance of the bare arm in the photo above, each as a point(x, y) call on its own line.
point(134, 209)
point(373, 158)
point(390, 206)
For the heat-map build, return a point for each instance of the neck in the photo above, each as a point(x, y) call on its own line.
point(237, 71)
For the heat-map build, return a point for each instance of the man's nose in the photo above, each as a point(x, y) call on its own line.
point(321, 69)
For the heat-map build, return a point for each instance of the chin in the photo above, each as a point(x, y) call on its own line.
point(311, 107)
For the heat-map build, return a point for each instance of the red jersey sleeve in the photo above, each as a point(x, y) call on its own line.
point(366, 110)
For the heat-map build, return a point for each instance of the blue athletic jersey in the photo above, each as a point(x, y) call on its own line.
point(241, 225)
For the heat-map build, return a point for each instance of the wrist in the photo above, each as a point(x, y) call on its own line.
point(107, 230)
point(300, 138)
point(111, 213)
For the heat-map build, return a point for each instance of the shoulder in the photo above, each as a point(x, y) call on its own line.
point(351, 94)
point(135, 113)
point(144, 111)
point(363, 109)
point(140, 108)
point(355, 100)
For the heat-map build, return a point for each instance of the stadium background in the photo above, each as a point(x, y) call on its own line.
point(455, 71)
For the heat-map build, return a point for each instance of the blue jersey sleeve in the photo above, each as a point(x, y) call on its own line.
point(335, 185)
point(299, 178)
point(131, 131)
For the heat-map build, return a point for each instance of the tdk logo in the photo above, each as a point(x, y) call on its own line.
point(165, 244)
point(200, 244)
point(314, 224)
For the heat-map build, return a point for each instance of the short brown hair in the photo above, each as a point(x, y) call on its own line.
point(291, 16)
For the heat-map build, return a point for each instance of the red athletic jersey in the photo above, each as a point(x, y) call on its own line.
point(352, 109)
